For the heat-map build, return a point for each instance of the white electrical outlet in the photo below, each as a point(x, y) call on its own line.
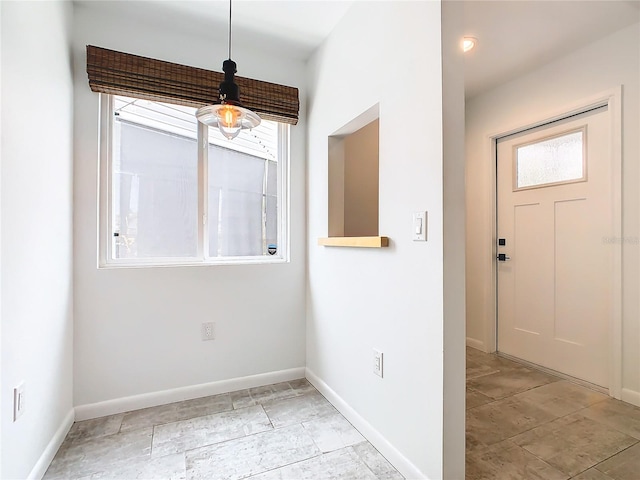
point(208, 331)
point(18, 401)
point(377, 362)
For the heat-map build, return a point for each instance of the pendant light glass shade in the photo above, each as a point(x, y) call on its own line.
point(230, 119)
point(227, 113)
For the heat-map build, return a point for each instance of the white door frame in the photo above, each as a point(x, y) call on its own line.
point(613, 99)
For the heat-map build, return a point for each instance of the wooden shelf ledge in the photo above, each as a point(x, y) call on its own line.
point(360, 242)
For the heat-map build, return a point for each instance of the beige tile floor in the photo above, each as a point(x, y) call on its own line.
point(525, 424)
point(521, 424)
point(282, 431)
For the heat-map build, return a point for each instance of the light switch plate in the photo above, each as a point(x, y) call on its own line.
point(420, 226)
point(377, 362)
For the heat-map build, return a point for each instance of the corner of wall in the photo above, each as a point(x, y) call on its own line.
point(37, 264)
point(41, 466)
point(391, 453)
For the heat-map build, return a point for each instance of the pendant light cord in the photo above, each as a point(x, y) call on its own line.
point(229, 29)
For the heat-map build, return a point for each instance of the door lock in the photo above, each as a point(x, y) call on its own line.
point(502, 257)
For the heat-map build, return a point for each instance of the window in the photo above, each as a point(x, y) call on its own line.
point(551, 161)
point(176, 192)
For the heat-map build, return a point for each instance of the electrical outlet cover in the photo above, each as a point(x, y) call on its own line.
point(18, 401)
point(378, 363)
point(208, 331)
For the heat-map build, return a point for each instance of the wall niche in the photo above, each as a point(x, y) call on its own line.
point(353, 174)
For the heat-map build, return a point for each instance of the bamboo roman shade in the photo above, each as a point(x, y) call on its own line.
point(118, 73)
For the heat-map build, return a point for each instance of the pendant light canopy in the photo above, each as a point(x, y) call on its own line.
point(227, 113)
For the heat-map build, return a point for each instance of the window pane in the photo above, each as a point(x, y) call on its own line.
point(154, 188)
point(261, 141)
point(236, 203)
point(154, 193)
point(558, 159)
point(272, 208)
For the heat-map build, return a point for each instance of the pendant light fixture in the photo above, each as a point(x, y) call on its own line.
point(227, 113)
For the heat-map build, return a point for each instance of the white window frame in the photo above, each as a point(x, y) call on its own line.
point(105, 204)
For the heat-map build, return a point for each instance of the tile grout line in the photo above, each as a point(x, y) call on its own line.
point(548, 422)
point(575, 412)
point(540, 459)
point(267, 431)
point(153, 435)
point(595, 465)
point(287, 464)
point(273, 429)
point(367, 465)
point(611, 456)
point(600, 422)
point(493, 400)
point(247, 435)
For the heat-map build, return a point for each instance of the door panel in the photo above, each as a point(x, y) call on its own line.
point(571, 226)
point(555, 292)
point(526, 277)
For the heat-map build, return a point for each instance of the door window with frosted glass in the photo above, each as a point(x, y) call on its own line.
point(551, 161)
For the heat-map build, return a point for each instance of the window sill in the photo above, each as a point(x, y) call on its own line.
point(359, 242)
point(183, 263)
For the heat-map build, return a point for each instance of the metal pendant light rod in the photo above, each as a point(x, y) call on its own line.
point(227, 113)
point(229, 29)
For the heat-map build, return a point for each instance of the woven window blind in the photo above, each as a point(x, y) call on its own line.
point(118, 73)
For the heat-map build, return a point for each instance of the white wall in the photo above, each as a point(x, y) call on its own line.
point(138, 330)
point(390, 299)
point(36, 269)
point(2, 397)
point(607, 63)
point(454, 239)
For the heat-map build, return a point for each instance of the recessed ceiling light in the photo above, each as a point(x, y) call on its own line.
point(468, 43)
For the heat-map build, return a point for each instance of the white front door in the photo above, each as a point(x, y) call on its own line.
point(554, 218)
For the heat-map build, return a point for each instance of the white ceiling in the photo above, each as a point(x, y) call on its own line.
point(290, 27)
point(513, 36)
point(518, 36)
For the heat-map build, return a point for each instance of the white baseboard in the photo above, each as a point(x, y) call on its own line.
point(152, 399)
point(397, 459)
point(631, 396)
point(477, 344)
point(40, 468)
